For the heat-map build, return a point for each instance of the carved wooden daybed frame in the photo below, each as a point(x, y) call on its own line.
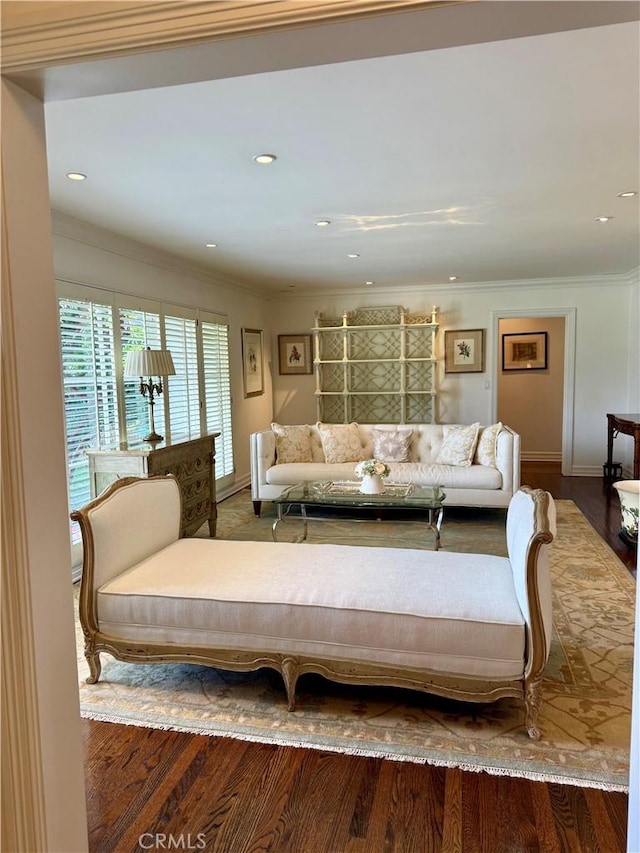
point(129, 511)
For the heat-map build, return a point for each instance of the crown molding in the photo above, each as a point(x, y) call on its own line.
point(35, 34)
point(63, 225)
point(391, 292)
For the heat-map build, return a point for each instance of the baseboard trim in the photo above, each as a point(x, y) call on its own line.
point(541, 456)
point(237, 486)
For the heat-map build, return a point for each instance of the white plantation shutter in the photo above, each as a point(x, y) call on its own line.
point(103, 408)
point(139, 329)
point(183, 394)
point(90, 393)
point(217, 391)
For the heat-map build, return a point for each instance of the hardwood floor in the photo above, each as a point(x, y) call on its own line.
point(157, 790)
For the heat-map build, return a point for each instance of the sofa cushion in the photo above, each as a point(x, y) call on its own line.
point(449, 476)
point(287, 475)
point(341, 442)
point(458, 445)
point(392, 445)
point(293, 443)
point(406, 607)
point(487, 443)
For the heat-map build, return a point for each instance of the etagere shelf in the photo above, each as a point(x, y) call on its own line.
point(376, 365)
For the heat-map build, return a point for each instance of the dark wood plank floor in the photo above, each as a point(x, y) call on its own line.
point(155, 790)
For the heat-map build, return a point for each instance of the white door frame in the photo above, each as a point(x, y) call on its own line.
point(568, 394)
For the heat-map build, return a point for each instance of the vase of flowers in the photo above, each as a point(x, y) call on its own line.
point(372, 472)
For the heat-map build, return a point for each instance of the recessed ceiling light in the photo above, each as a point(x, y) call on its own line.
point(322, 223)
point(210, 245)
point(603, 218)
point(628, 194)
point(369, 282)
point(453, 278)
point(353, 256)
point(76, 176)
point(265, 158)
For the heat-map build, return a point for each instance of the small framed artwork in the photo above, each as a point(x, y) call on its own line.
point(524, 351)
point(252, 362)
point(464, 351)
point(294, 352)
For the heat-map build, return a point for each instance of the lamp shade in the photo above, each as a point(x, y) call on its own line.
point(149, 362)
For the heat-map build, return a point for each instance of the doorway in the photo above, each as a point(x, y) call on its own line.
point(537, 401)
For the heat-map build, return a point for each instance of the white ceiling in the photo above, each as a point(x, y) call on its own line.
point(486, 161)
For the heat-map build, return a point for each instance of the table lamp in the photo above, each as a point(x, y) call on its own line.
point(150, 362)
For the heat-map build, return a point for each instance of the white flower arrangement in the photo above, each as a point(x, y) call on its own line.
point(372, 466)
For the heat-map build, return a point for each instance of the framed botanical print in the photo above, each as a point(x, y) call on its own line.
point(252, 362)
point(524, 351)
point(294, 354)
point(464, 351)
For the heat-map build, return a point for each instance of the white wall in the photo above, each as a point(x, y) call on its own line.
point(607, 330)
point(87, 255)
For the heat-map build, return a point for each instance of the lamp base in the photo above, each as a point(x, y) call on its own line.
point(153, 437)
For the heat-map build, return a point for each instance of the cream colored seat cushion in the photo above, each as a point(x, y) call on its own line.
point(404, 607)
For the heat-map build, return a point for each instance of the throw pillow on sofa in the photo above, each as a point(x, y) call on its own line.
point(293, 444)
point(458, 445)
point(341, 442)
point(487, 444)
point(391, 445)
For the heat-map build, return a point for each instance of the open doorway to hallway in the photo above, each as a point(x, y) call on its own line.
point(530, 384)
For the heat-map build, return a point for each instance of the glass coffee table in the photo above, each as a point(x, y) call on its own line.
point(347, 495)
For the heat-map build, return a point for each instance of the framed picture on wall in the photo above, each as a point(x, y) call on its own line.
point(252, 362)
point(294, 353)
point(464, 351)
point(524, 351)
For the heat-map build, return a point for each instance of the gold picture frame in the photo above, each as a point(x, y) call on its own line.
point(524, 351)
point(464, 351)
point(294, 354)
point(252, 362)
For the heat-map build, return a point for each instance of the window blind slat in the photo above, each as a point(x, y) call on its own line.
point(90, 393)
point(217, 384)
point(93, 357)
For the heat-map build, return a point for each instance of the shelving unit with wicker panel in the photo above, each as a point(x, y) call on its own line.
point(376, 365)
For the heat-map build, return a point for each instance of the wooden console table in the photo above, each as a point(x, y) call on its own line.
point(192, 462)
point(627, 425)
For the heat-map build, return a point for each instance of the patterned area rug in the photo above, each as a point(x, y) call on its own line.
point(585, 714)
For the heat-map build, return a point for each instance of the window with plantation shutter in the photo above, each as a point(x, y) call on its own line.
point(90, 394)
point(217, 385)
point(139, 329)
point(183, 394)
point(104, 408)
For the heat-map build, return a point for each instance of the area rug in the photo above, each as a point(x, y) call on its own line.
point(585, 714)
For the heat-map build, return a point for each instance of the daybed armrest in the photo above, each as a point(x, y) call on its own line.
point(262, 457)
point(531, 527)
point(132, 519)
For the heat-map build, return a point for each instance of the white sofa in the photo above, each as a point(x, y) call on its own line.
point(475, 485)
point(467, 626)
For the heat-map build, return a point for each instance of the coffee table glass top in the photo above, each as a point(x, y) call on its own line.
point(347, 493)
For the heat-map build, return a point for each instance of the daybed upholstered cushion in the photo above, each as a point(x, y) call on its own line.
point(458, 445)
point(399, 606)
point(392, 445)
point(293, 443)
point(341, 442)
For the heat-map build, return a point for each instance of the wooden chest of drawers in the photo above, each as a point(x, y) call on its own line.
point(192, 462)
